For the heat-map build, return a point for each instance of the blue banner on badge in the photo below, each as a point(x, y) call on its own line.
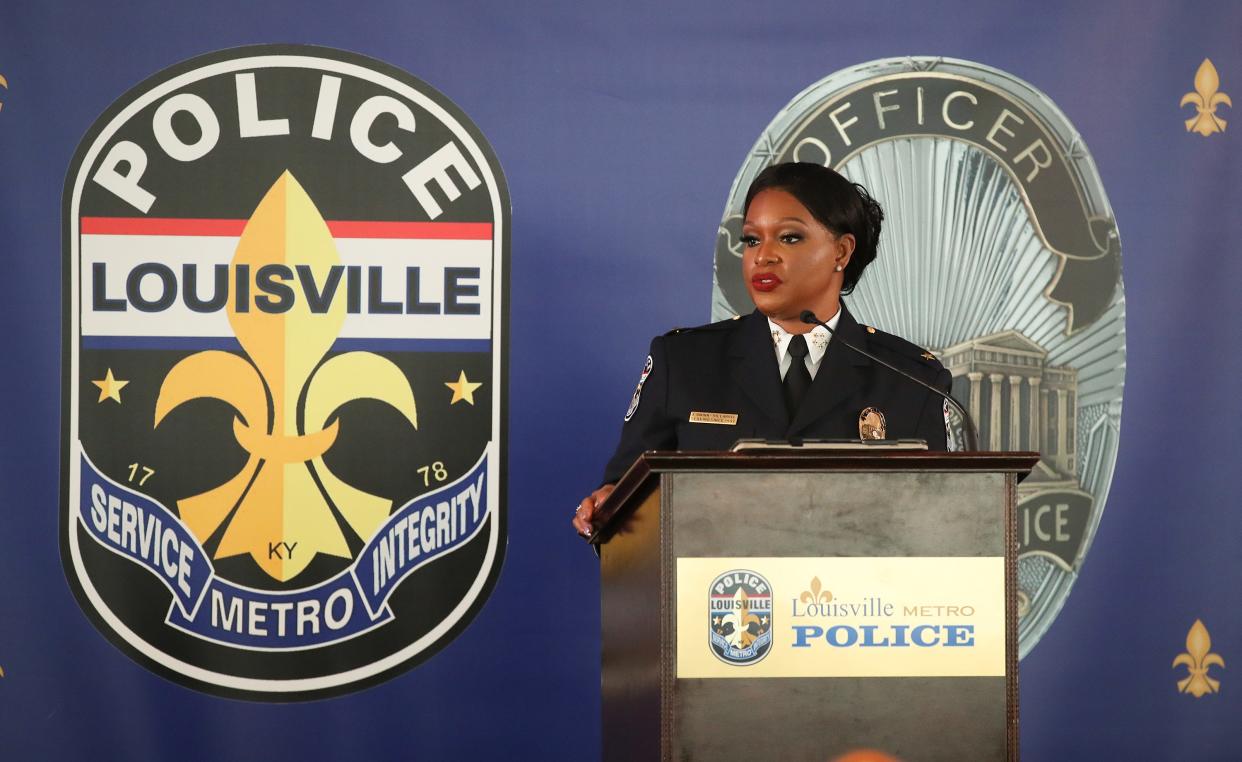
point(354, 601)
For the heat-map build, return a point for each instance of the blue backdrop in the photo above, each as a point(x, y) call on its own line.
point(620, 128)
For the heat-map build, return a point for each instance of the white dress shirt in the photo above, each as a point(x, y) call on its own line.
point(816, 344)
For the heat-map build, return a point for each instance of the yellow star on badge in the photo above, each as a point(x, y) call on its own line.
point(463, 389)
point(110, 387)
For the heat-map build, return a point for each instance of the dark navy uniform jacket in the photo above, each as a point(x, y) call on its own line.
point(730, 367)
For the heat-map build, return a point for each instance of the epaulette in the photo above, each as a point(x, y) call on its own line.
point(902, 347)
point(717, 326)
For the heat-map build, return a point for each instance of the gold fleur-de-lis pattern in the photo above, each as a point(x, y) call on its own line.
point(4, 85)
point(816, 593)
point(275, 498)
point(1206, 97)
point(1197, 659)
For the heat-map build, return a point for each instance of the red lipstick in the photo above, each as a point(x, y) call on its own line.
point(764, 281)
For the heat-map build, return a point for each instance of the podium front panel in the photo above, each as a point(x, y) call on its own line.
point(837, 514)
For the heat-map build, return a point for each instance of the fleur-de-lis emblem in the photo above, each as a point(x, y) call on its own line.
point(1197, 659)
point(816, 594)
point(4, 83)
point(275, 498)
point(1206, 98)
point(741, 619)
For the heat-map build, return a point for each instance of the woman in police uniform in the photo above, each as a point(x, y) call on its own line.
point(808, 235)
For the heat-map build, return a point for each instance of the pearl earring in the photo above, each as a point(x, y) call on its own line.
point(838, 268)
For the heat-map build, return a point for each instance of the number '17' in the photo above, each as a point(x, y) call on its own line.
point(146, 473)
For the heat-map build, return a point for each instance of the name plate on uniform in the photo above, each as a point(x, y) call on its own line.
point(723, 419)
point(840, 617)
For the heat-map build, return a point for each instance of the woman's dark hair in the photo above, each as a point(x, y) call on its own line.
point(839, 205)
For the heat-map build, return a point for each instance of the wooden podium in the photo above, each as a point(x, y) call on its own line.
point(881, 584)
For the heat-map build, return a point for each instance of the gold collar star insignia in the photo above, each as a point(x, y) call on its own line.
point(110, 387)
point(463, 389)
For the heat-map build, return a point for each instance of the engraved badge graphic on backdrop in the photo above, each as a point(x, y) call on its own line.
point(1000, 252)
point(285, 265)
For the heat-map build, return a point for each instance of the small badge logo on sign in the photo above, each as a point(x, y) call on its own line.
point(277, 258)
point(740, 617)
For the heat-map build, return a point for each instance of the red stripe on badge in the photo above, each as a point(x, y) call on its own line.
point(160, 226)
point(456, 231)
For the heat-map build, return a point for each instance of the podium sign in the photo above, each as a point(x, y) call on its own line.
point(805, 604)
point(840, 617)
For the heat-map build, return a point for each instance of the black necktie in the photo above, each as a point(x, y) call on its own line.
point(797, 378)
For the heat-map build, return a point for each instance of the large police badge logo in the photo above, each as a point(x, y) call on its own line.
point(284, 392)
point(1001, 253)
point(739, 610)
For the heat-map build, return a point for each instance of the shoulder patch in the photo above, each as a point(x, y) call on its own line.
point(638, 393)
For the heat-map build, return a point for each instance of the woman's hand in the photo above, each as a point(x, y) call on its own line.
point(586, 509)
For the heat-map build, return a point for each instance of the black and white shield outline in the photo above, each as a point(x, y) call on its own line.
point(161, 655)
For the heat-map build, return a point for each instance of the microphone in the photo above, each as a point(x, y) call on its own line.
point(972, 434)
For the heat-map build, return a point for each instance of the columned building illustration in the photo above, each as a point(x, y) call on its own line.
point(1019, 402)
